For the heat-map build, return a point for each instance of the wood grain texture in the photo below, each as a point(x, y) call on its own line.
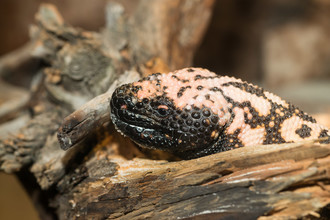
point(287, 181)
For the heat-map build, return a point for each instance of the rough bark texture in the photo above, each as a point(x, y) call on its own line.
point(104, 175)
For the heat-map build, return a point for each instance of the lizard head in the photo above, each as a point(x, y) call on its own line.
point(148, 112)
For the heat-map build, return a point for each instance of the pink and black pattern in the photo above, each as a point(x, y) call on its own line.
point(194, 112)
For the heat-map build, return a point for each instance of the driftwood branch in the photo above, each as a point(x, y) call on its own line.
point(105, 175)
point(288, 181)
point(90, 116)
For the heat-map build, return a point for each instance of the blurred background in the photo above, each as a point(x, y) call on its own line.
point(281, 45)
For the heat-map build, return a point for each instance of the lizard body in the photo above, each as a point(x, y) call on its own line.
point(194, 112)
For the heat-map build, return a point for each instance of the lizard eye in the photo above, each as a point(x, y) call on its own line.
point(162, 110)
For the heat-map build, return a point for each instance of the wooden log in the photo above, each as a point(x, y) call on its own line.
point(285, 181)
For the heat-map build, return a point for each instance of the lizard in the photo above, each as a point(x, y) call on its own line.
point(194, 112)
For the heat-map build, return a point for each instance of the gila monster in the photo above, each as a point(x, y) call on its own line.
point(194, 112)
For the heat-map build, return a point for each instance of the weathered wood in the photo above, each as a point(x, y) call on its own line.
point(90, 116)
point(105, 175)
point(289, 181)
point(17, 60)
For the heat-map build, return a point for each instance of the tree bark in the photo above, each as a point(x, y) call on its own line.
point(104, 175)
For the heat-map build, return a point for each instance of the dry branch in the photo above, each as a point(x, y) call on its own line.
point(289, 181)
